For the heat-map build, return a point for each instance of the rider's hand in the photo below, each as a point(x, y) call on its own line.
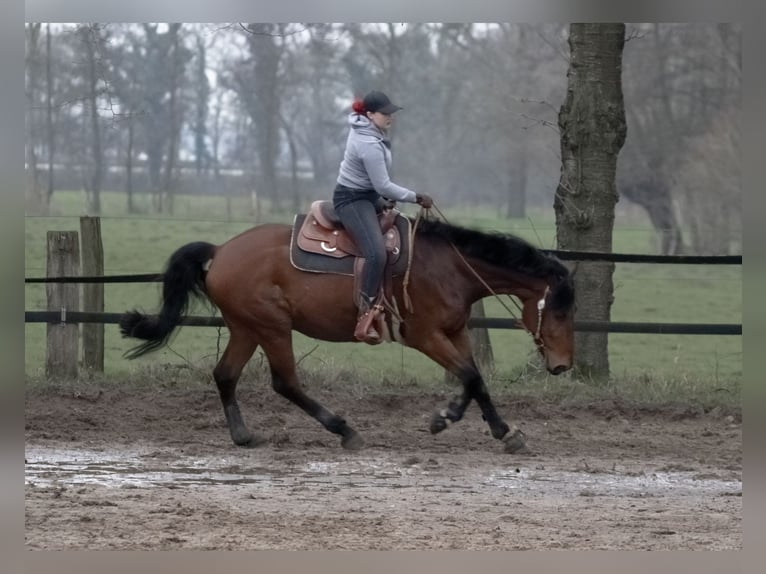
point(384, 204)
point(424, 200)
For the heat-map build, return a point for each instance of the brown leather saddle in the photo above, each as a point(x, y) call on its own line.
point(320, 244)
point(323, 233)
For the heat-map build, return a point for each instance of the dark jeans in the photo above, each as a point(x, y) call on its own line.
point(359, 217)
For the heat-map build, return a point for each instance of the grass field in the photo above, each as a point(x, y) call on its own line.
point(653, 367)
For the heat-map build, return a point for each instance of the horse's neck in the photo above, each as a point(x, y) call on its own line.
point(487, 279)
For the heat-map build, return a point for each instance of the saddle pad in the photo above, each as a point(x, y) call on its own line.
point(315, 263)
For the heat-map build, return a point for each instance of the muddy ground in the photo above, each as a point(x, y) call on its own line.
point(154, 469)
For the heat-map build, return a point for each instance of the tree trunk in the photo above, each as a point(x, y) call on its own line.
point(31, 87)
point(263, 103)
point(294, 190)
point(517, 192)
point(129, 165)
point(220, 184)
point(49, 113)
point(202, 94)
point(90, 37)
point(168, 186)
point(593, 129)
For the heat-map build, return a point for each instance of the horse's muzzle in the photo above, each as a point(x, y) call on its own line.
point(557, 370)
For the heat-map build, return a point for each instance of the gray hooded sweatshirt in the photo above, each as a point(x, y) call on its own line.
point(367, 160)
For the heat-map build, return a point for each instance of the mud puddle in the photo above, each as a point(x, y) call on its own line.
point(46, 467)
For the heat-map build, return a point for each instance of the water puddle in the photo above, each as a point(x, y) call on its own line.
point(614, 484)
point(142, 469)
point(56, 466)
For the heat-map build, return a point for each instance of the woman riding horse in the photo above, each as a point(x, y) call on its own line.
point(263, 298)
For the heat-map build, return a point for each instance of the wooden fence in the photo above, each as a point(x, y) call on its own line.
point(71, 263)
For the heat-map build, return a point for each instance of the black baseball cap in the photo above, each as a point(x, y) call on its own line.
point(379, 102)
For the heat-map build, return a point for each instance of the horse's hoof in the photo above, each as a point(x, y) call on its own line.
point(352, 442)
point(515, 442)
point(251, 441)
point(439, 422)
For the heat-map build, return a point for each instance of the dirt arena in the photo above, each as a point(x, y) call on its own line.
point(154, 469)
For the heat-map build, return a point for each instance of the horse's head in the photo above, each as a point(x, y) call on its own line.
point(548, 315)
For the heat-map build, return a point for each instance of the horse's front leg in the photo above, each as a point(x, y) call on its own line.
point(455, 354)
point(513, 438)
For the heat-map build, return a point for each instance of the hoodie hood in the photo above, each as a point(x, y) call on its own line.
point(366, 130)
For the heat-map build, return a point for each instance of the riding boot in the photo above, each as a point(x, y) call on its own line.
point(370, 316)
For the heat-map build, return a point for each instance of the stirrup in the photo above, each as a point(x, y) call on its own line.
point(365, 330)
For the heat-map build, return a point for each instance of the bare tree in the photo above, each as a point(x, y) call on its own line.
point(160, 81)
point(258, 83)
point(712, 187)
point(49, 129)
point(174, 111)
point(124, 78)
point(592, 123)
point(680, 81)
point(32, 60)
point(90, 36)
point(319, 80)
point(478, 122)
point(490, 94)
point(201, 104)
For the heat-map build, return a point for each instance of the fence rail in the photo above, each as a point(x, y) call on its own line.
point(64, 310)
point(481, 322)
point(67, 317)
point(563, 255)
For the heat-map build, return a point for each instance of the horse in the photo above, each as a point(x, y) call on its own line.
point(262, 298)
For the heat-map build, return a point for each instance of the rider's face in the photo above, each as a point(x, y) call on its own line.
point(381, 120)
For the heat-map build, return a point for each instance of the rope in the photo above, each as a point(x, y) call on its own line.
point(487, 287)
point(406, 282)
point(408, 302)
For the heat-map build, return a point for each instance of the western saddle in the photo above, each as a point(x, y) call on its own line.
point(322, 233)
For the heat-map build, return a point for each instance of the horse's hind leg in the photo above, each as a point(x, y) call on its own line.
point(226, 374)
point(284, 379)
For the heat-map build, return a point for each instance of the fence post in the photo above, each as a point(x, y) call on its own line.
point(92, 250)
point(482, 348)
point(63, 259)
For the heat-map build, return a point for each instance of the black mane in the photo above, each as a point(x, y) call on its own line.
point(507, 251)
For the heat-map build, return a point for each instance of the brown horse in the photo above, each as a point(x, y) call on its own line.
point(263, 298)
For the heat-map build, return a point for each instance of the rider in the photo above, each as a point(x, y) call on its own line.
point(363, 186)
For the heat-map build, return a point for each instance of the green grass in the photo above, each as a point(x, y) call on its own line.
point(655, 367)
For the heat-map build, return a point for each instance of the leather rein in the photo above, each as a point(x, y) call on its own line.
point(536, 336)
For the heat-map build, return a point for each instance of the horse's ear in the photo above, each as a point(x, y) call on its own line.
point(564, 273)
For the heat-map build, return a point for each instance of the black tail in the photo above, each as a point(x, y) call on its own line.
point(183, 276)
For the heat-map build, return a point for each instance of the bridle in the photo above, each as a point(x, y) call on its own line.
point(537, 336)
